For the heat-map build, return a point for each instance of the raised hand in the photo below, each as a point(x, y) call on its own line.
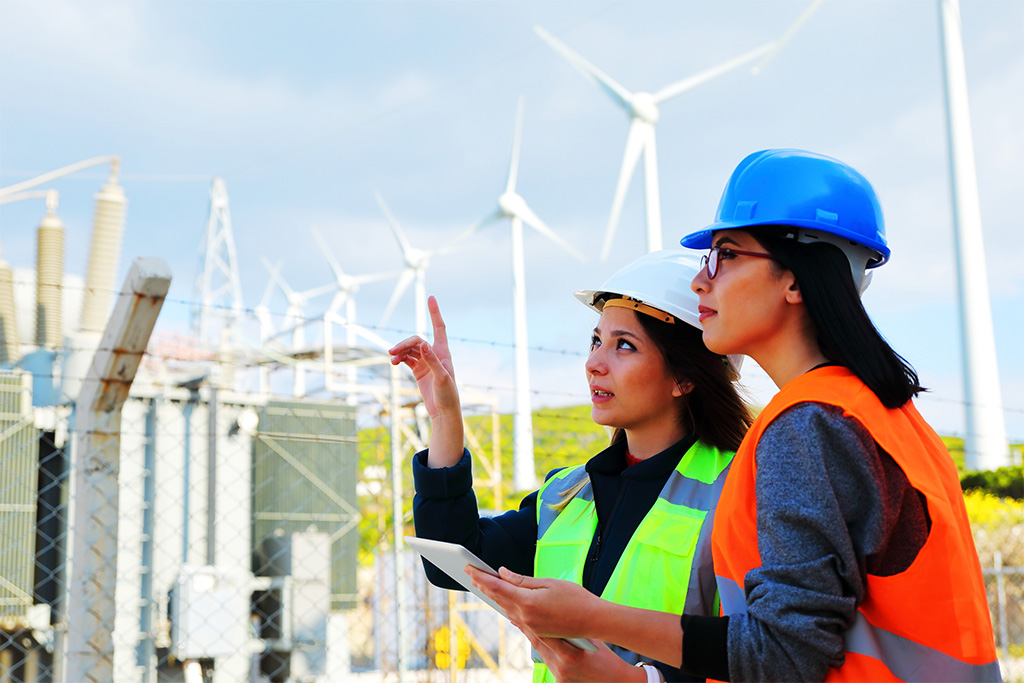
point(431, 365)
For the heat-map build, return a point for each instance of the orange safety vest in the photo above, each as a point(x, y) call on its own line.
point(930, 622)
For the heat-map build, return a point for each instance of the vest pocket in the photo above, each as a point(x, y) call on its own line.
point(654, 571)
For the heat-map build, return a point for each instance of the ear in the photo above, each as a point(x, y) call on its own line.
point(681, 389)
point(793, 295)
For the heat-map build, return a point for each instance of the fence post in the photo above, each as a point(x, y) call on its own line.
point(1004, 631)
point(397, 461)
point(90, 604)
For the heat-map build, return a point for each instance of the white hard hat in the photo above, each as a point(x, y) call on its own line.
point(659, 280)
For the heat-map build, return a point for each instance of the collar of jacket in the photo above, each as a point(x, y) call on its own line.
point(612, 460)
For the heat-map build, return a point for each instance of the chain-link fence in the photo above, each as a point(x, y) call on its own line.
point(255, 541)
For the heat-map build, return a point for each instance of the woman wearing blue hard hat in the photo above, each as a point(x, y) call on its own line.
point(841, 544)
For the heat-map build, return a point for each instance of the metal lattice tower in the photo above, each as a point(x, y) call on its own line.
point(217, 294)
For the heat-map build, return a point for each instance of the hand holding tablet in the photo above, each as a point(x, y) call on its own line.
point(452, 559)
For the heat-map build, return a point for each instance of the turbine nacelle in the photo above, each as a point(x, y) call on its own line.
point(643, 106)
point(511, 205)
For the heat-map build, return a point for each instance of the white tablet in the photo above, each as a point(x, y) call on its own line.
point(452, 558)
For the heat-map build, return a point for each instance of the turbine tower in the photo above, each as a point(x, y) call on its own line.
point(416, 263)
point(266, 325)
point(217, 292)
point(985, 444)
point(513, 207)
point(642, 109)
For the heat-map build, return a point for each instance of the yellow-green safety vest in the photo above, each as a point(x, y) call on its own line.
point(666, 565)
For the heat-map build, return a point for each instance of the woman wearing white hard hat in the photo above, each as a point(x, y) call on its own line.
point(841, 544)
point(634, 523)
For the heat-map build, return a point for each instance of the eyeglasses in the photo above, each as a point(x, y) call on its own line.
point(714, 255)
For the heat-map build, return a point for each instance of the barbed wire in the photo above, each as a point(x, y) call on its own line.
point(320, 319)
point(302, 319)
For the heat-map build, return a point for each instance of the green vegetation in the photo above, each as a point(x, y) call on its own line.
point(1005, 482)
point(567, 436)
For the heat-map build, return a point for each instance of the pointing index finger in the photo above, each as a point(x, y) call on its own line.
point(440, 334)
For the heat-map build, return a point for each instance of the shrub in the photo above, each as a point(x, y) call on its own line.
point(1005, 482)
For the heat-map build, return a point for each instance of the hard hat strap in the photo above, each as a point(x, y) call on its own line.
point(640, 307)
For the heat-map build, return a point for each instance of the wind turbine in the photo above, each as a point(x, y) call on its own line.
point(512, 206)
point(345, 295)
point(642, 108)
point(416, 263)
point(346, 286)
point(294, 319)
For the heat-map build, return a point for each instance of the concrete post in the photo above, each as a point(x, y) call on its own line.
point(96, 463)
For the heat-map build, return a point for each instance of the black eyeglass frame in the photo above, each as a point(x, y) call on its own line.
point(709, 261)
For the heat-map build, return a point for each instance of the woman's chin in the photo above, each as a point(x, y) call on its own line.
point(596, 414)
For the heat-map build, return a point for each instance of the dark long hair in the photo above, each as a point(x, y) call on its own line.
point(714, 410)
point(846, 335)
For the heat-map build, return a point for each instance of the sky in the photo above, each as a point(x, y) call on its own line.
point(306, 109)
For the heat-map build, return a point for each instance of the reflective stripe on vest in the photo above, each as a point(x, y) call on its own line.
point(904, 658)
point(665, 566)
point(931, 621)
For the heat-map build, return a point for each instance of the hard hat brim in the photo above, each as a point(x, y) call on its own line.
point(702, 239)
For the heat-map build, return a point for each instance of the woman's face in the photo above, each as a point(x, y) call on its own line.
point(743, 308)
point(630, 384)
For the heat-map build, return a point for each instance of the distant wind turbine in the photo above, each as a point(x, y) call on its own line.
point(416, 263)
point(513, 207)
point(294, 318)
point(346, 286)
point(642, 108)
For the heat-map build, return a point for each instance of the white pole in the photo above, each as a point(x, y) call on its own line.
point(985, 444)
point(653, 197)
point(421, 302)
point(397, 457)
point(524, 477)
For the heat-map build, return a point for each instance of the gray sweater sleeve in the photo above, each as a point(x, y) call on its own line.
point(825, 512)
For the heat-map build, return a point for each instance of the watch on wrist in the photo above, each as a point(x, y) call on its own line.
point(653, 674)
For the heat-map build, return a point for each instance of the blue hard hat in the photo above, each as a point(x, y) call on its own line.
point(791, 187)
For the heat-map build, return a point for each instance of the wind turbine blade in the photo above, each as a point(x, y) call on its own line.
point(691, 82)
point(620, 95)
point(634, 146)
point(449, 247)
point(485, 221)
point(317, 291)
point(271, 282)
point(403, 283)
point(374, 277)
point(530, 218)
point(403, 243)
point(275, 275)
point(513, 164)
point(790, 32)
point(328, 253)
